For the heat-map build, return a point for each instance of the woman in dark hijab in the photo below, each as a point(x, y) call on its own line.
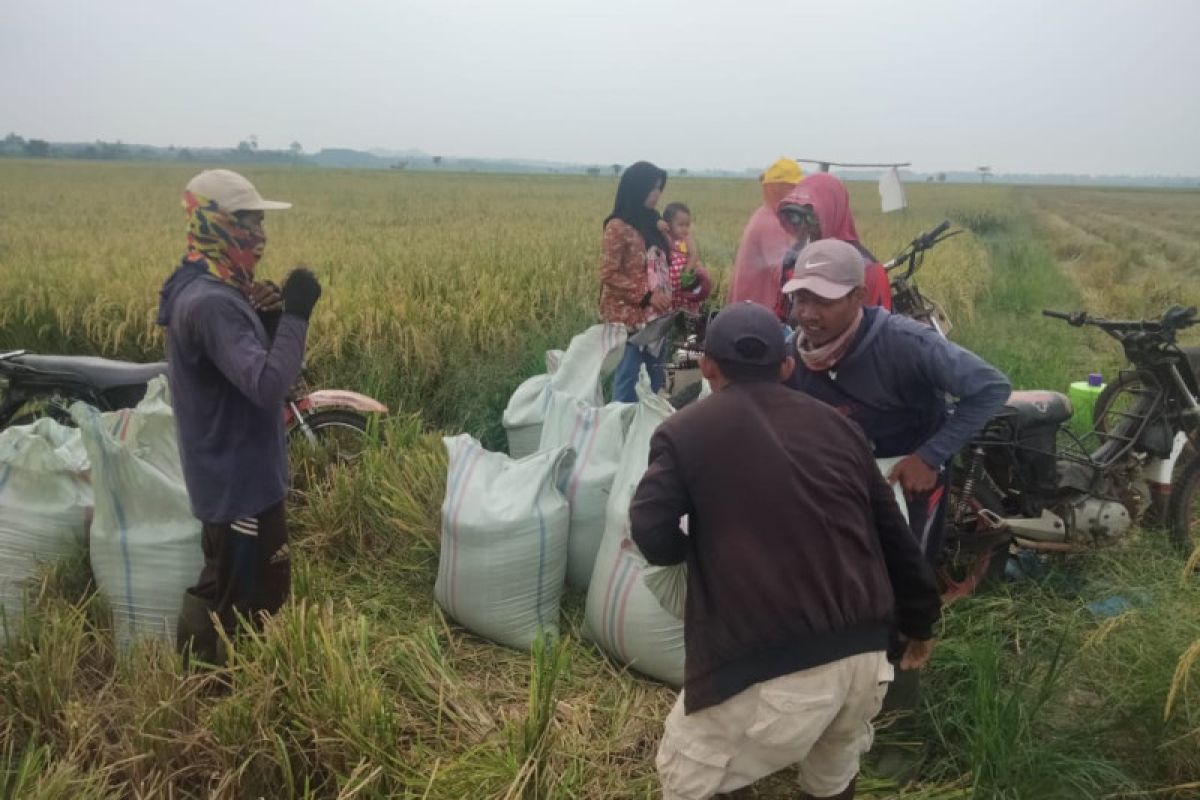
point(635, 280)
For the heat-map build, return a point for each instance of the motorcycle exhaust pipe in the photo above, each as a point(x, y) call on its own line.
point(1048, 547)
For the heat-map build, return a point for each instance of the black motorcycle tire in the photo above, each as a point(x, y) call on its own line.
point(60, 416)
point(984, 568)
point(1132, 381)
point(1185, 492)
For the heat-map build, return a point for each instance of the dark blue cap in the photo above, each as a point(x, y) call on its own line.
point(746, 333)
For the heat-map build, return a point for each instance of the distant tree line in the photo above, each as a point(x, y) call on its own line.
point(246, 151)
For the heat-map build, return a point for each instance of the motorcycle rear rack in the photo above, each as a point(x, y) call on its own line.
point(1109, 447)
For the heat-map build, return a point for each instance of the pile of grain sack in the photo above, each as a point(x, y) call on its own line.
point(518, 528)
point(114, 484)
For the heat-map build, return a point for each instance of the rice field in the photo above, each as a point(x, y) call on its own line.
point(441, 290)
point(441, 293)
point(1132, 252)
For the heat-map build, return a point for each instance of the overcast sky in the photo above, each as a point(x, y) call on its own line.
point(1108, 86)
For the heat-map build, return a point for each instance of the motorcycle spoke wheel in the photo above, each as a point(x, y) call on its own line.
point(38, 408)
point(341, 437)
point(966, 571)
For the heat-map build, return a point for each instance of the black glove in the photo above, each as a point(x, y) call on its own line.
point(300, 293)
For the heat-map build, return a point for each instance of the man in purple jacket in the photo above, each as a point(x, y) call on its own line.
point(234, 350)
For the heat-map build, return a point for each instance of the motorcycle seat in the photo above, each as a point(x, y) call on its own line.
point(1039, 407)
point(102, 373)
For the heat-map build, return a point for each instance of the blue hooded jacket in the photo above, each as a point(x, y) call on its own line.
point(911, 390)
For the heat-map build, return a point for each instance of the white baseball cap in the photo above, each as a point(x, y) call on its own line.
point(828, 268)
point(231, 191)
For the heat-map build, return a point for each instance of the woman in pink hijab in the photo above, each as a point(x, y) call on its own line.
point(819, 208)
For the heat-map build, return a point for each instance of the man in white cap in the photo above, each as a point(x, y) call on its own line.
point(799, 565)
point(892, 375)
point(234, 349)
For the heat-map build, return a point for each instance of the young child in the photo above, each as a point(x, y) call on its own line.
point(690, 283)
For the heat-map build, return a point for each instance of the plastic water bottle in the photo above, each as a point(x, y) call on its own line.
point(1083, 396)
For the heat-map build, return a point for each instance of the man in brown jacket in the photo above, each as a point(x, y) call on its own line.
point(799, 565)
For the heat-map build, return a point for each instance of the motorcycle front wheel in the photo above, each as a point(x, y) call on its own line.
point(1183, 510)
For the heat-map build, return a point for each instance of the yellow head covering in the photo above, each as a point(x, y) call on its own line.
point(785, 170)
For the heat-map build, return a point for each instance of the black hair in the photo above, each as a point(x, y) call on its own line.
point(675, 208)
point(637, 182)
point(739, 372)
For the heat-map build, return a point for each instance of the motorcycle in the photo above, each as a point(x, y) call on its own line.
point(1014, 480)
point(683, 367)
point(46, 385)
point(1028, 480)
point(907, 298)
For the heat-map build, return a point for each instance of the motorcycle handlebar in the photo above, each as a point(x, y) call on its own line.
point(928, 238)
point(923, 242)
point(1175, 318)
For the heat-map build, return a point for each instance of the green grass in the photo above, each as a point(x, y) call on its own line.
point(1036, 352)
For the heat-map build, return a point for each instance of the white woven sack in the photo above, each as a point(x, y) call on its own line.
point(504, 542)
point(885, 466)
point(622, 614)
point(45, 507)
point(669, 587)
point(578, 373)
point(145, 543)
point(526, 409)
point(598, 436)
point(669, 584)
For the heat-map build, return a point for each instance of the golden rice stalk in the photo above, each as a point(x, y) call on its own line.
point(1182, 676)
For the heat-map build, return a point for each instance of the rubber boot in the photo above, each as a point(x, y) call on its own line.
point(845, 794)
point(894, 761)
point(196, 637)
point(904, 693)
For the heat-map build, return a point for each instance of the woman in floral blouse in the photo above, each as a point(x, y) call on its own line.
point(635, 282)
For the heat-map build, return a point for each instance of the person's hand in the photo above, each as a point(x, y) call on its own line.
point(914, 476)
point(664, 228)
point(300, 293)
point(916, 653)
point(266, 297)
point(660, 302)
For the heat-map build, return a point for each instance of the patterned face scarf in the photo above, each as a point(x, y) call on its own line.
point(820, 358)
point(229, 248)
